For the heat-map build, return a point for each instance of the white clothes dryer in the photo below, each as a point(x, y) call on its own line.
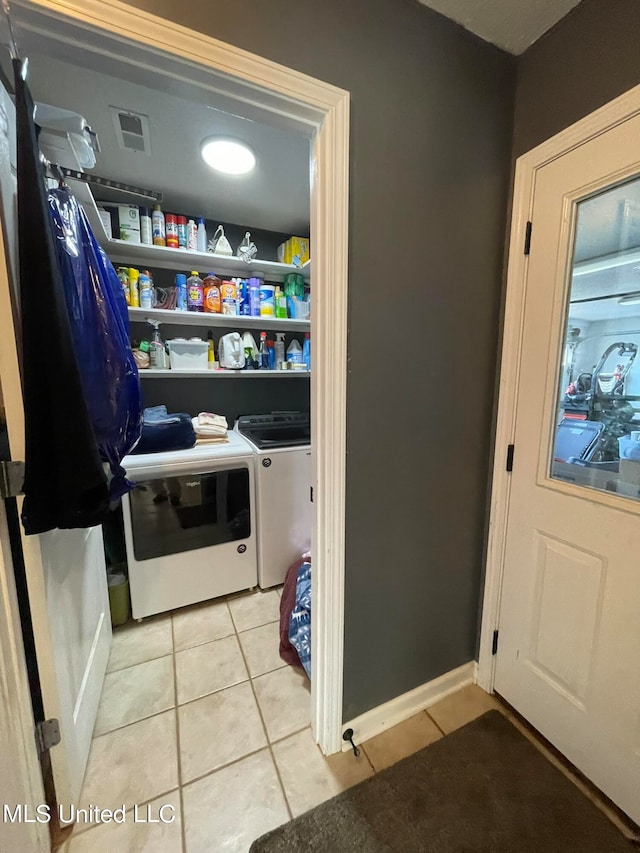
point(190, 526)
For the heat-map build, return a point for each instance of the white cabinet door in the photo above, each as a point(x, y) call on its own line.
point(569, 650)
point(66, 578)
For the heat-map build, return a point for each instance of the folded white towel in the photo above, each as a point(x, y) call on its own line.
point(210, 429)
point(209, 419)
point(212, 439)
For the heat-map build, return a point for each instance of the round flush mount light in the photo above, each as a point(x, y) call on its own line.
point(228, 156)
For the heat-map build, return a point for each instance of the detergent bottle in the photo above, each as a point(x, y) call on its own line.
point(195, 293)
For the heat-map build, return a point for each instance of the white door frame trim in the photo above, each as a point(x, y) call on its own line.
point(324, 110)
point(617, 111)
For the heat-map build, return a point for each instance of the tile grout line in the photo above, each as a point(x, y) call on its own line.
point(242, 757)
point(247, 594)
point(290, 734)
point(366, 755)
point(177, 651)
point(223, 767)
point(264, 726)
point(133, 722)
point(212, 692)
point(139, 663)
point(183, 825)
point(255, 627)
point(88, 827)
point(435, 723)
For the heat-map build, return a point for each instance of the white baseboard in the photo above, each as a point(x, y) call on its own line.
point(398, 710)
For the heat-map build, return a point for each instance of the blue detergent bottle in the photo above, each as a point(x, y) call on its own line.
point(181, 285)
point(306, 350)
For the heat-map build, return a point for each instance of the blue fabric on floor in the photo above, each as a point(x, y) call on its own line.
point(300, 621)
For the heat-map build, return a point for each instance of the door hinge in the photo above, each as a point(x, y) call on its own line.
point(47, 734)
point(311, 493)
point(494, 643)
point(510, 451)
point(527, 238)
point(11, 479)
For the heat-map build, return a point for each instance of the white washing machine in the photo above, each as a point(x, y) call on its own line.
point(190, 525)
point(282, 445)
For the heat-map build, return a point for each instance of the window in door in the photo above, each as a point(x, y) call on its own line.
point(597, 438)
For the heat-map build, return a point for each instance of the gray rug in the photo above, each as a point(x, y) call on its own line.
point(482, 789)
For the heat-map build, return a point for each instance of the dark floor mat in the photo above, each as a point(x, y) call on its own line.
point(482, 789)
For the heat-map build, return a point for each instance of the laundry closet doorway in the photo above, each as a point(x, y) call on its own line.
point(258, 90)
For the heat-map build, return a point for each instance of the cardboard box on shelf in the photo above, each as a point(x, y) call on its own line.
point(295, 251)
point(125, 221)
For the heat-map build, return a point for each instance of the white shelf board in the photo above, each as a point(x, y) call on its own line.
point(121, 251)
point(223, 374)
point(141, 254)
point(226, 321)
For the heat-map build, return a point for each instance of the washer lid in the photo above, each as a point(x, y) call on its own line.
point(275, 430)
point(236, 446)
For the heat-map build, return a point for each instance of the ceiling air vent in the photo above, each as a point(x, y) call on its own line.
point(132, 130)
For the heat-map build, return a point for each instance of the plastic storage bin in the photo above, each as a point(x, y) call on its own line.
point(188, 355)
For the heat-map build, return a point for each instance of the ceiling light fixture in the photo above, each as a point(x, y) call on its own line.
point(632, 299)
point(228, 156)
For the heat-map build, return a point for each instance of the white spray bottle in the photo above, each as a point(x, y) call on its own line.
point(157, 353)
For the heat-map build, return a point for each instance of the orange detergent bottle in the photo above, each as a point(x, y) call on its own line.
point(212, 298)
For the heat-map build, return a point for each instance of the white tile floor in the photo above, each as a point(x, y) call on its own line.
point(193, 704)
point(199, 712)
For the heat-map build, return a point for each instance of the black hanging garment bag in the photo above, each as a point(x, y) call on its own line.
point(65, 485)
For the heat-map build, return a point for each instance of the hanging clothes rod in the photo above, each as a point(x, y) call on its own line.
point(56, 171)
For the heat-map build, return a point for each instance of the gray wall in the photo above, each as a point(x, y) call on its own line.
point(431, 140)
point(586, 60)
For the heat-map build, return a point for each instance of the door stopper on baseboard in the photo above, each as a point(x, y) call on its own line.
point(347, 734)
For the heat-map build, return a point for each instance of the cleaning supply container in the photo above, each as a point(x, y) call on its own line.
point(158, 226)
point(181, 285)
point(201, 236)
point(267, 300)
point(212, 300)
point(306, 350)
point(294, 352)
point(195, 293)
point(188, 355)
point(119, 600)
point(254, 296)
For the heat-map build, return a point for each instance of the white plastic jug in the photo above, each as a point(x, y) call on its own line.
point(294, 352)
point(230, 352)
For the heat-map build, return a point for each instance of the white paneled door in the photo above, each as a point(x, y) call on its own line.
point(569, 630)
